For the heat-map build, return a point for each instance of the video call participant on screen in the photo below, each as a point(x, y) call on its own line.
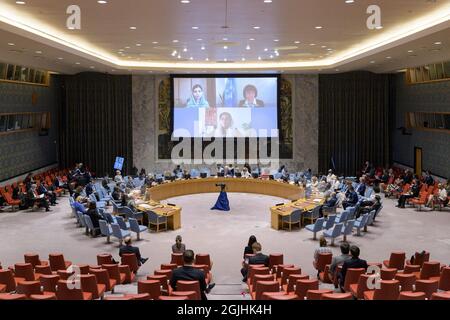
point(225, 127)
point(250, 94)
point(197, 99)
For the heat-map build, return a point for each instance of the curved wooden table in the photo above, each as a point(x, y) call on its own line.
point(241, 185)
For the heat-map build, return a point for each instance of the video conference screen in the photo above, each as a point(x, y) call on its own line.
point(225, 107)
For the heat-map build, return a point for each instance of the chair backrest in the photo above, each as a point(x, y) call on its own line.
point(57, 261)
point(152, 287)
point(323, 259)
point(337, 296)
point(177, 258)
point(295, 216)
point(88, 222)
point(260, 277)
point(344, 216)
point(397, 260)
point(102, 277)
point(303, 286)
point(389, 290)
point(318, 225)
point(104, 228)
point(32, 258)
point(292, 281)
point(81, 219)
point(89, 284)
point(104, 258)
point(43, 269)
point(65, 291)
point(430, 269)
point(254, 271)
point(352, 277)
point(337, 230)
point(280, 269)
point(364, 220)
point(362, 285)
point(275, 259)
point(203, 258)
point(113, 271)
point(134, 225)
point(130, 260)
point(330, 222)
point(49, 282)
point(24, 270)
point(121, 223)
point(183, 285)
point(371, 217)
point(349, 227)
point(28, 287)
point(419, 259)
point(444, 281)
point(116, 231)
point(287, 272)
point(266, 286)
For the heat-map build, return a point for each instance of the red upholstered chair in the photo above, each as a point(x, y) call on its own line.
point(28, 288)
point(104, 258)
point(265, 286)
point(89, 284)
point(409, 295)
point(57, 262)
point(389, 290)
point(117, 298)
point(352, 277)
point(302, 287)
point(203, 258)
point(178, 297)
point(419, 259)
point(317, 294)
point(47, 296)
point(64, 292)
point(322, 260)
point(429, 269)
point(277, 296)
point(205, 269)
point(275, 259)
point(168, 266)
point(412, 268)
point(292, 282)
point(388, 273)
point(129, 276)
point(407, 281)
point(114, 273)
point(141, 296)
point(102, 276)
point(129, 259)
point(358, 289)
point(397, 260)
point(33, 258)
point(324, 275)
point(281, 267)
point(287, 272)
point(25, 270)
point(183, 285)
point(65, 275)
point(83, 268)
point(444, 279)
point(163, 280)
point(167, 273)
point(337, 296)
point(177, 258)
point(43, 269)
point(259, 277)
point(441, 296)
point(2, 288)
point(152, 287)
point(254, 271)
point(427, 286)
point(49, 282)
point(12, 296)
point(7, 278)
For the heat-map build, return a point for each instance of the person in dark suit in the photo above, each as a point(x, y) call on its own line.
point(248, 249)
point(429, 181)
point(189, 273)
point(258, 258)
point(354, 262)
point(95, 216)
point(33, 198)
point(128, 248)
point(50, 195)
point(329, 203)
point(412, 193)
point(250, 93)
point(351, 198)
point(361, 189)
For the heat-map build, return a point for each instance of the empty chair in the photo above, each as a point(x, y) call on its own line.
point(287, 272)
point(333, 233)
point(411, 268)
point(342, 217)
point(57, 262)
point(316, 227)
point(408, 295)
point(389, 290)
point(388, 273)
point(278, 296)
point(177, 258)
point(302, 287)
point(294, 218)
point(337, 296)
point(427, 286)
point(203, 258)
point(102, 276)
point(292, 281)
point(121, 222)
point(104, 258)
point(170, 266)
point(189, 286)
point(105, 230)
point(12, 296)
point(114, 273)
point(429, 269)
point(312, 215)
point(360, 223)
point(90, 225)
point(323, 259)
point(141, 296)
point(352, 277)
point(33, 258)
point(65, 275)
point(317, 294)
point(329, 223)
point(119, 233)
point(28, 288)
point(49, 282)
point(66, 291)
point(406, 280)
point(136, 228)
point(275, 259)
point(370, 219)
point(265, 286)
point(152, 287)
point(181, 295)
point(441, 296)
point(280, 269)
point(155, 219)
point(348, 229)
point(163, 280)
point(358, 289)
point(25, 270)
point(46, 296)
point(7, 278)
point(396, 260)
point(131, 261)
point(444, 279)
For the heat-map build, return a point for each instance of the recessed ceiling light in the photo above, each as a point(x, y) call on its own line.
point(113, 70)
point(266, 49)
point(92, 67)
point(77, 63)
point(185, 1)
point(372, 62)
point(175, 41)
point(11, 44)
point(276, 40)
point(349, 2)
point(185, 50)
point(252, 39)
point(191, 58)
point(267, 1)
point(389, 57)
point(225, 47)
point(438, 43)
point(225, 59)
point(243, 59)
point(199, 39)
point(319, 27)
point(296, 42)
point(195, 28)
point(138, 44)
point(259, 58)
point(379, 27)
point(38, 52)
point(60, 58)
point(127, 47)
point(247, 47)
point(133, 28)
point(155, 42)
point(225, 39)
point(203, 48)
point(207, 59)
point(179, 56)
point(410, 51)
point(312, 44)
point(102, 2)
point(271, 56)
point(329, 49)
point(20, 2)
point(256, 27)
point(323, 47)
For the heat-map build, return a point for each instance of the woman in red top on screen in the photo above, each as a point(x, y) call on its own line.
point(250, 94)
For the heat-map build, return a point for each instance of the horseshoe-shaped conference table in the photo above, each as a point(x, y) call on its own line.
point(274, 188)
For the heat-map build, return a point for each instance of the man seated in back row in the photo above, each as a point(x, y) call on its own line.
point(128, 248)
point(188, 273)
point(258, 258)
point(354, 263)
